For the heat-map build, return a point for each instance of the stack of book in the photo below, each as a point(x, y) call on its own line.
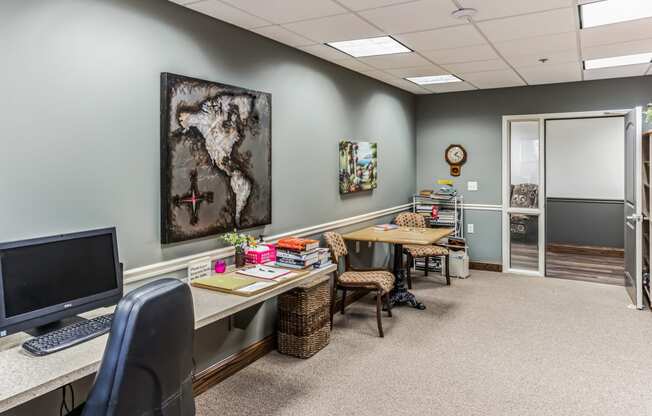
point(444, 217)
point(385, 227)
point(297, 253)
point(323, 258)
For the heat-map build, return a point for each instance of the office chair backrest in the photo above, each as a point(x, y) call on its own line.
point(410, 219)
point(147, 365)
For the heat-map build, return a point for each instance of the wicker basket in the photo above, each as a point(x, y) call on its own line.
point(304, 319)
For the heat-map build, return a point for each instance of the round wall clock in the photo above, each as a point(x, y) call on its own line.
point(455, 155)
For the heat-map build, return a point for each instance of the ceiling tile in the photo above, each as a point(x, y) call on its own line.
point(368, 4)
point(334, 28)
point(538, 45)
point(532, 59)
point(450, 37)
point(379, 75)
point(413, 16)
point(476, 66)
point(284, 11)
point(551, 73)
point(617, 32)
point(616, 72)
point(617, 49)
point(494, 79)
point(283, 35)
point(463, 54)
point(450, 87)
point(397, 60)
point(228, 14)
point(503, 8)
point(422, 71)
point(353, 64)
point(537, 24)
point(325, 52)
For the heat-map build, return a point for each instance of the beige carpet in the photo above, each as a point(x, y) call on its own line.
point(493, 344)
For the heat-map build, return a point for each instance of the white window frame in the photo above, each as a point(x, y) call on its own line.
point(506, 174)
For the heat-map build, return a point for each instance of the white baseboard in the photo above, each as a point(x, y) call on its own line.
point(171, 266)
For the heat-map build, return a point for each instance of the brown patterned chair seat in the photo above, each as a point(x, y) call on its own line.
point(411, 219)
point(372, 278)
point(425, 251)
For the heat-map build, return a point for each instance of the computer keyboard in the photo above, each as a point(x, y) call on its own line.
point(69, 336)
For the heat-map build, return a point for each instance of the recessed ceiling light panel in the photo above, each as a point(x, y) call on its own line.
point(604, 12)
point(434, 79)
point(383, 45)
point(639, 58)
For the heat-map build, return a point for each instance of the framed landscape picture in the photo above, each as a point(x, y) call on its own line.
point(358, 166)
point(216, 158)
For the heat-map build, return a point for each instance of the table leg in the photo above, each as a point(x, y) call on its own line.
point(400, 295)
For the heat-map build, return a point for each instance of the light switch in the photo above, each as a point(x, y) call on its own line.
point(472, 186)
point(469, 228)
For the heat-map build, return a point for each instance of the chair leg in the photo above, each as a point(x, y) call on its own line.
point(388, 305)
point(427, 266)
point(378, 314)
point(448, 273)
point(343, 300)
point(408, 273)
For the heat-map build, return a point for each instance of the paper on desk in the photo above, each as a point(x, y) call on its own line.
point(286, 276)
point(255, 287)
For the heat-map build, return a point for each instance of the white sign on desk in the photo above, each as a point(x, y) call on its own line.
point(199, 268)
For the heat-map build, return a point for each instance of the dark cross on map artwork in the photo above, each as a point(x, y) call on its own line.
point(193, 199)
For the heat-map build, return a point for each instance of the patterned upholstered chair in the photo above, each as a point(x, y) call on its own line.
point(523, 195)
point(411, 219)
point(379, 280)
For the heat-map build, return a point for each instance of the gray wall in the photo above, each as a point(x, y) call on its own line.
point(80, 120)
point(80, 132)
point(474, 119)
point(588, 222)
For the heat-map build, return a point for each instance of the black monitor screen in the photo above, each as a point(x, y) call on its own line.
point(41, 275)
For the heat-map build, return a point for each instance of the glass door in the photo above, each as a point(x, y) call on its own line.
point(523, 213)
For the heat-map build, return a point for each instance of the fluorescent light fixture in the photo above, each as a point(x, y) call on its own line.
point(604, 12)
point(639, 58)
point(383, 45)
point(434, 79)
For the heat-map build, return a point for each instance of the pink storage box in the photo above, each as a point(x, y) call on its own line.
point(260, 257)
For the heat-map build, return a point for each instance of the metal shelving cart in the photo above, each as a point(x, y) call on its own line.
point(451, 215)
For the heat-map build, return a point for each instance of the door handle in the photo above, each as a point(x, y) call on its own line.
point(634, 217)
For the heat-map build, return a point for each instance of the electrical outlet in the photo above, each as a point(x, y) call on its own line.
point(469, 228)
point(472, 185)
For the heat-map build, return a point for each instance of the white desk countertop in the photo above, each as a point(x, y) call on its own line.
point(24, 377)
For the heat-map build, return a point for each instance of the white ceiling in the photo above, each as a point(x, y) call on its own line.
point(499, 47)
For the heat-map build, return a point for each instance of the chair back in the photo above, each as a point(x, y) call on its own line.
point(410, 219)
point(147, 366)
point(336, 244)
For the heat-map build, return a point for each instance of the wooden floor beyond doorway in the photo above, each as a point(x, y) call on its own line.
point(586, 263)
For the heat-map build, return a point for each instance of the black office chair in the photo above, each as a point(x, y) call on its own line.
point(147, 366)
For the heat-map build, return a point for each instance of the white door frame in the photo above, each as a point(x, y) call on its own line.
point(540, 211)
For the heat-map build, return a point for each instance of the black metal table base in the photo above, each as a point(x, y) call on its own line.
point(400, 295)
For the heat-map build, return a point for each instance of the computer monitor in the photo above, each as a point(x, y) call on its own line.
point(45, 280)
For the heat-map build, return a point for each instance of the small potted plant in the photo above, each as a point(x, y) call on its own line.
point(240, 242)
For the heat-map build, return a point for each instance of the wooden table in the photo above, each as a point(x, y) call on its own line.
point(398, 237)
